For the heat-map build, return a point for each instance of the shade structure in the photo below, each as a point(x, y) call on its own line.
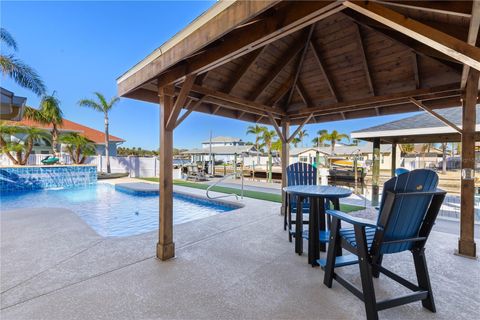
point(297, 62)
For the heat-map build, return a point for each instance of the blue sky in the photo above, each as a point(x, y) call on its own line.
point(82, 47)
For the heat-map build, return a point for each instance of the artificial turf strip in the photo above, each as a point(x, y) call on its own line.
point(246, 193)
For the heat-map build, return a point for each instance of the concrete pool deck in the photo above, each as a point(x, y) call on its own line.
point(236, 265)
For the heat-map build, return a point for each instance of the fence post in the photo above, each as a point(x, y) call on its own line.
point(154, 166)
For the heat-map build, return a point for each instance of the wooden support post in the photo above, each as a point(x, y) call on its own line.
point(165, 245)
point(375, 171)
point(466, 243)
point(394, 158)
point(285, 159)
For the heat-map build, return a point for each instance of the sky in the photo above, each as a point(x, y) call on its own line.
point(82, 47)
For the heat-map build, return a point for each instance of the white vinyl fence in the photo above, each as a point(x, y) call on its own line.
point(135, 166)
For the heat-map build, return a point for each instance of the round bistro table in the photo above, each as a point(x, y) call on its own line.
point(316, 220)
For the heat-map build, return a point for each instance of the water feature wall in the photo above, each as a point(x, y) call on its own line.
point(46, 177)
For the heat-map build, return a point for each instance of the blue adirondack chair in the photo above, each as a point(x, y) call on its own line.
point(299, 173)
point(408, 209)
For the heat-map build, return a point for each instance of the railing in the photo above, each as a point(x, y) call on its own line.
point(235, 174)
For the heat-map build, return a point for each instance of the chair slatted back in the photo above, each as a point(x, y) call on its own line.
point(300, 173)
point(403, 218)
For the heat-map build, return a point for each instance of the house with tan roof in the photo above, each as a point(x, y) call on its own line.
point(97, 136)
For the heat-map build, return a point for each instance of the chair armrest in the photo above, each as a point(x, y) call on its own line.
point(352, 220)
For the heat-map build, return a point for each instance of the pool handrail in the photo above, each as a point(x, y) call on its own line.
point(227, 195)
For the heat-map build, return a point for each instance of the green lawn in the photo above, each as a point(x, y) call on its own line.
point(246, 193)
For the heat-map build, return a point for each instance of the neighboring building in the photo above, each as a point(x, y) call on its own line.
point(420, 130)
point(225, 154)
point(223, 142)
point(307, 155)
point(98, 137)
point(11, 106)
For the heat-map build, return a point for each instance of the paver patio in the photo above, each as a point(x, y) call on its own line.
point(237, 265)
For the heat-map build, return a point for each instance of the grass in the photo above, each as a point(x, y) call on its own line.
point(246, 193)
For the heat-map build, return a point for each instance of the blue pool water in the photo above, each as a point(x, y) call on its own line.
point(110, 212)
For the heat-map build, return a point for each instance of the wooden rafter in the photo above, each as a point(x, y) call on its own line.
point(363, 56)
point(416, 70)
point(440, 41)
point(284, 60)
point(242, 69)
point(299, 66)
point(180, 101)
point(281, 92)
point(244, 40)
point(303, 93)
point(436, 115)
point(328, 79)
point(472, 37)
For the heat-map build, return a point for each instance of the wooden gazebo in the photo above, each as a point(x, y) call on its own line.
point(297, 62)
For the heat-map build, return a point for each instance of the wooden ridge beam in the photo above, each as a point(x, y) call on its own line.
point(239, 101)
point(472, 37)
point(180, 101)
point(363, 56)
point(436, 115)
point(299, 66)
point(241, 41)
point(440, 41)
point(328, 79)
point(252, 57)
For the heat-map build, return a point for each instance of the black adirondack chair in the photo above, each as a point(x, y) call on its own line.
point(409, 207)
point(299, 173)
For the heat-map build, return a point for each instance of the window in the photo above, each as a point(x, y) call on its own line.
point(303, 159)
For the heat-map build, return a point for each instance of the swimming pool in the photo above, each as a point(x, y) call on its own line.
point(112, 213)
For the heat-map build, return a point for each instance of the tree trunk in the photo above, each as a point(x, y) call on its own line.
point(79, 151)
point(107, 143)
point(3, 144)
point(55, 141)
point(258, 152)
point(269, 166)
point(28, 151)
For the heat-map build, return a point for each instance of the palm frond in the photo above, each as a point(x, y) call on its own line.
point(7, 38)
point(50, 109)
point(103, 101)
point(90, 104)
point(22, 74)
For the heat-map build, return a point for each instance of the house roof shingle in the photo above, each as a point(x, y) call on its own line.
point(69, 126)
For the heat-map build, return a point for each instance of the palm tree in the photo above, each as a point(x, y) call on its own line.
point(334, 137)
point(49, 113)
point(78, 147)
point(21, 73)
point(444, 157)
point(407, 148)
point(302, 134)
point(320, 139)
point(267, 138)
point(102, 105)
point(23, 148)
point(257, 131)
point(295, 141)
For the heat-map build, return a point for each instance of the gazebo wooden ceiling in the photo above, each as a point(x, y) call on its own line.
point(297, 62)
point(338, 64)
